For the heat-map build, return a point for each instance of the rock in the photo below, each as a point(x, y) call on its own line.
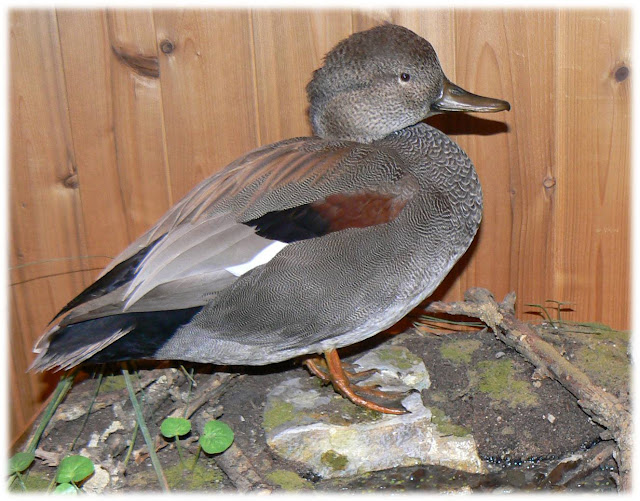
point(98, 482)
point(310, 423)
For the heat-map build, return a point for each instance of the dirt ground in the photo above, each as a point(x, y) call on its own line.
point(525, 429)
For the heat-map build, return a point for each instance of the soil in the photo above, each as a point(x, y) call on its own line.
point(524, 428)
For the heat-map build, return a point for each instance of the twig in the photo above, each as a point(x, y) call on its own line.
point(601, 406)
point(48, 457)
point(208, 393)
point(579, 465)
point(240, 471)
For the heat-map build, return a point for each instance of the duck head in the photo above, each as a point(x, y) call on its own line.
point(382, 80)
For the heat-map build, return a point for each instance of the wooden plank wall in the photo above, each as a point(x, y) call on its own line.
point(116, 114)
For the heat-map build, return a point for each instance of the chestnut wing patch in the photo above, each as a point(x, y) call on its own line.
point(333, 213)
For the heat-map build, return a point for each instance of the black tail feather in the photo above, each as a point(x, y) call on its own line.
point(148, 332)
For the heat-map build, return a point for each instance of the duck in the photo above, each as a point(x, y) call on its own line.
point(305, 246)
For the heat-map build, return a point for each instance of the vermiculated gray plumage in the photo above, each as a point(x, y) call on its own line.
point(301, 246)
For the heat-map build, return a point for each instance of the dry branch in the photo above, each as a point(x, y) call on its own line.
point(238, 467)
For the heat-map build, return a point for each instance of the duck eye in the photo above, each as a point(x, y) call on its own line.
point(405, 77)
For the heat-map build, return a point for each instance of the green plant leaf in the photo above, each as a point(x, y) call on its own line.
point(65, 488)
point(217, 437)
point(74, 469)
point(20, 462)
point(175, 427)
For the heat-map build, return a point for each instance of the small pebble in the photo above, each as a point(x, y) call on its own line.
point(500, 354)
point(551, 418)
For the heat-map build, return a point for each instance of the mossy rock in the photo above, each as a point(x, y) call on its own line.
point(278, 413)
point(334, 460)
point(444, 424)
point(398, 356)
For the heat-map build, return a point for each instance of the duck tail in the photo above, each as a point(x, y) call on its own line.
point(127, 336)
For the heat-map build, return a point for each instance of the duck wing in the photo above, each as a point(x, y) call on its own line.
point(227, 226)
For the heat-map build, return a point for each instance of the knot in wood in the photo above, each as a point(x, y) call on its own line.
point(549, 182)
point(166, 46)
point(71, 181)
point(621, 73)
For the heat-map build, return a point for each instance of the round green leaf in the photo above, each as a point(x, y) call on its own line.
point(217, 437)
point(74, 469)
point(175, 427)
point(20, 462)
point(65, 488)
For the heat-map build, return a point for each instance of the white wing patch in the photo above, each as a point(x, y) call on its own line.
point(210, 254)
point(262, 257)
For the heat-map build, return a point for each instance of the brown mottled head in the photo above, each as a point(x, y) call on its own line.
point(379, 81)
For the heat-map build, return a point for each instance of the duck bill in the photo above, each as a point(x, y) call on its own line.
point(455, 98)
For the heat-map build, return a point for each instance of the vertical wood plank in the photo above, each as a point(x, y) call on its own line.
point(592, 155)
point(482, 67)
point(138, 118)
point(116, 113)
point(87, 67)
point(532, 141)
point(289, 46)
point(208, 91)
point(46, 219)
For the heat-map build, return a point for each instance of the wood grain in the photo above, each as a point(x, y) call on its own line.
point(289, 45)
point(592, 241)
point(46, 215)
point(141, 154)
point(208, 83)
point(482, 67)
point(531, 144)
point(116, 114)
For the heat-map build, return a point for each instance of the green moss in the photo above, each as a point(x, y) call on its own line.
point(598, 350)
point(398, 356)
point(349, 413)
point(605, 363)
point(112, 383)
point(204, 476)
point(34, 482)
point(334, 460)
point(460, 351)
point(444, 424)
point(278, 413)
point(497, 379)
point(288, 480)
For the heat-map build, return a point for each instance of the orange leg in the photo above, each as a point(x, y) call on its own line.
point(312, 364)
point(343, 385)
point(318, 367)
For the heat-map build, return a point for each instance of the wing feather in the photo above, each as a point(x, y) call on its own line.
point(209, 232)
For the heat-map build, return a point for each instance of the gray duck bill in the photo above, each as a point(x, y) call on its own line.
point(455, 98)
